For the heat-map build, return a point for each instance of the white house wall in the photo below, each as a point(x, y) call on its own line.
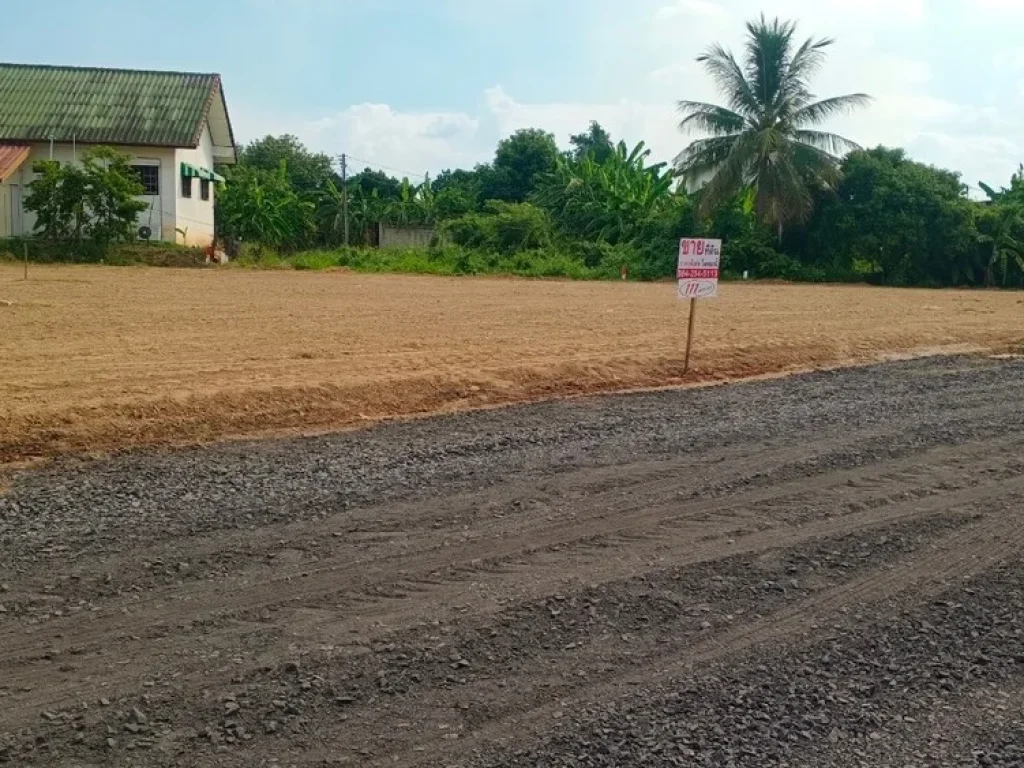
point(195, 215)
point(160, 216)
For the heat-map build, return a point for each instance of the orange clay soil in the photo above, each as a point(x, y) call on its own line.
point(94, 359)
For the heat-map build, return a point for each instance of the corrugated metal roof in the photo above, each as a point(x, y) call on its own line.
point(11, 158)
point(104, 106)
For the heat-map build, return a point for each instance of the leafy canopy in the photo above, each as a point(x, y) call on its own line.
point(595, 142)
point(611, 200)
point(96, 200)
point(305, 170)
point(519, 163)
point(766, 136)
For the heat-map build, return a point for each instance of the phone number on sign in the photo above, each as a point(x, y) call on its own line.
point(697, 274)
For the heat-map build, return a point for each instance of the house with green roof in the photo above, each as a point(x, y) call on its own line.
point(174, 125)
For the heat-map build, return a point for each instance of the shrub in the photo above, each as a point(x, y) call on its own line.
point(504, 227)
point(156, 253)
point(314, 260)
point(95, 201)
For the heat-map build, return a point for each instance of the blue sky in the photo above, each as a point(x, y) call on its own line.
point(420, 85)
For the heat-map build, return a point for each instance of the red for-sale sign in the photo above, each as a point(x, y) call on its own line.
point(699, 261)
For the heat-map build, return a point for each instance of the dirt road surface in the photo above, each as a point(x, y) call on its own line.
point(824, 570)
point(97, 358)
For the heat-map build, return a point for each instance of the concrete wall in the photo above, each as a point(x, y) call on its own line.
point(405, 237)
point(195, 215)
point(159, 216)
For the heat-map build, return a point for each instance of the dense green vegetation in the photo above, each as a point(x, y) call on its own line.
point(789, 199)
point(95, 201)
point(887, 219)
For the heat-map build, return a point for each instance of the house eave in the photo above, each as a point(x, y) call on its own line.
point(105, 143)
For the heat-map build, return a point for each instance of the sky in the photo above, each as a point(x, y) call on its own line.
point(415, 86)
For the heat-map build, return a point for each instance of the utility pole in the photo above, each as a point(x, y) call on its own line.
point(344, 193)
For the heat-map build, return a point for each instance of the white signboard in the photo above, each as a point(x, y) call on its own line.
point(699, 261)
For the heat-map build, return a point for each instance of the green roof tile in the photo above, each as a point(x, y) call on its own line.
point(103, 106)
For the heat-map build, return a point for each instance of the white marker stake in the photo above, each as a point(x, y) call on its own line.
point(699, 261)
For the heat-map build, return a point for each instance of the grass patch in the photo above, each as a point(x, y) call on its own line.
point(153, 254)
point(444, 260)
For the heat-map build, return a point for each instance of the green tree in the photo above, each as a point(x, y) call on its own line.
point(262, 207)
point(595, 142)
point(612, 201)
point(502, 227)
point(458, 191)
point(307, 171)
point(903, 221)
point(1000, 228)
point(369, 180)
point(365, 211)
point(96, 200)
point(766, 136)
point(330, 213)
point(519, 163)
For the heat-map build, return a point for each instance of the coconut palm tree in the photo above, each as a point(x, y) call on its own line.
point(766, 136)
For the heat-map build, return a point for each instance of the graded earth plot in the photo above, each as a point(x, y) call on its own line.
point(94, 359)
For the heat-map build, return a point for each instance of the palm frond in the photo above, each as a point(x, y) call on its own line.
point(768, 55)
point(731, 171)
point(992, 194)
point(728, 74)
point(832, 143)
point(817, 166)
point(782, 190)
point(709, 118)
point(703, 156)
point(806, 62)
point(812, 114)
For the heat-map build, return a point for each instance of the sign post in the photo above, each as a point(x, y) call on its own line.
point(699, 261)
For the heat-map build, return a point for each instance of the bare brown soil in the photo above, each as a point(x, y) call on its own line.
point(94, 358)
point(823, 570)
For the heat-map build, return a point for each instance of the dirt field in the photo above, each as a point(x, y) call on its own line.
point(100, 358)
point(824, 570)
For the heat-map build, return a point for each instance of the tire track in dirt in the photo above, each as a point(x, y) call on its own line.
point(610, 514)
point(961, 555)
point(669, 536)
point(968, 407)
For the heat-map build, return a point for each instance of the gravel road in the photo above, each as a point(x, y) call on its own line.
point(824, 570)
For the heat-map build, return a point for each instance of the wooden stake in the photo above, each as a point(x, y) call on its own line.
point(689, 336)
point(24, 244)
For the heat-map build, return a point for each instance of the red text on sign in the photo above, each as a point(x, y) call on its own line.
point(694, 273)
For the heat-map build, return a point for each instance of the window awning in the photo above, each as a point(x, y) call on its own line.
point(195, 172)
point(11, 158)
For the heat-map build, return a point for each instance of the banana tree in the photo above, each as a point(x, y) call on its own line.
point(610, 200)
point(1000, 227)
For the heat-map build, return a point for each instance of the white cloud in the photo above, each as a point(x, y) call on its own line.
point(630, 120)
point(654, 65)
point(412, 142)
